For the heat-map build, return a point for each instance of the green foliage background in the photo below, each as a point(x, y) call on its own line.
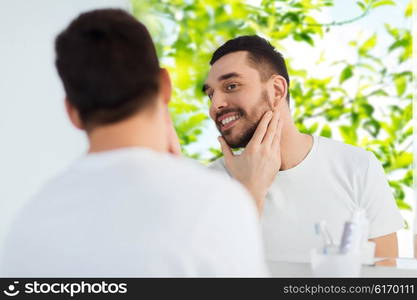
point(187, 32)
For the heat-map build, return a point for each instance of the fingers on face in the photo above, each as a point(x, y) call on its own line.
point(272, 129)
point(227, 152)
point(261, 129)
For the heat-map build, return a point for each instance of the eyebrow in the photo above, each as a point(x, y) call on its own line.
point(221, 78)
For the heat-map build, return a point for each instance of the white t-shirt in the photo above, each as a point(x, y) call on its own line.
point(133, 213)
point(329, 184)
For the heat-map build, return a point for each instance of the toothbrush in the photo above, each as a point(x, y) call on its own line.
point(321, 230)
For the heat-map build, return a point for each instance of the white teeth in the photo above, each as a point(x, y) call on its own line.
point(229, 119)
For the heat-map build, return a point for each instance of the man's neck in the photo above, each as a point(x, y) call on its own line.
point(295, 146)
point(138, 131)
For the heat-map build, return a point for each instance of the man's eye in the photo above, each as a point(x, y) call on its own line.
point(231, 86)
point(210, 95)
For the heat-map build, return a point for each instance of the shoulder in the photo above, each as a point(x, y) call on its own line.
point(185, 180)
point(218, 164)
point(148, 172)
point(218, 182)
point(342, 153)
point(182, 179)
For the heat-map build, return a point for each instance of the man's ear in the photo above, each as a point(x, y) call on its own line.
point(73, 115)
point(165, 86)
point(280, 90)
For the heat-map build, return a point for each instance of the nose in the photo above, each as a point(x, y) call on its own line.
point(218, 101)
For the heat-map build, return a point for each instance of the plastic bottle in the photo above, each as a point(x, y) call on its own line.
point(355, 233)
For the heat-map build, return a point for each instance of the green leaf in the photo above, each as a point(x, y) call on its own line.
point(409, 9)
point(304, 37)
point(349, 134)
point(373, 127)
point(346, 74)
point(366, 109)
point(368, 45)
point(408, 178)
point(399, 43)
point(382, 2)
point(403, 205)
point(403, 160)
point(326, 131)
point(361, 5)
point(400, 85)
point(313, 128)
point(334, 113)
point(293, 17)
point(392, 31)
point(378, 92)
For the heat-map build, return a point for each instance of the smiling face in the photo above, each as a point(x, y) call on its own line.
point(238, 98)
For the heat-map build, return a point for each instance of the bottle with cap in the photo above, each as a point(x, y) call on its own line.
point(355, 233)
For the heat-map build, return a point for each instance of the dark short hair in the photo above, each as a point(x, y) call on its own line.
point(261, 55)
point(108, 65)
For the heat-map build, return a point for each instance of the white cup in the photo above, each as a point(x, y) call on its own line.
point(335, 264)
point(368, 253)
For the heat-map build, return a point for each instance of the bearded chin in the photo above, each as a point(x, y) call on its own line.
point(244, 138)
point(246, 135)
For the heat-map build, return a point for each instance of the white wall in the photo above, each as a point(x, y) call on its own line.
point(36, 138)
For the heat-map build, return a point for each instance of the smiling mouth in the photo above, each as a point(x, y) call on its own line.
point(228, 121)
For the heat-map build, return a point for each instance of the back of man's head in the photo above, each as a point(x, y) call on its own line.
point(108, 65)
